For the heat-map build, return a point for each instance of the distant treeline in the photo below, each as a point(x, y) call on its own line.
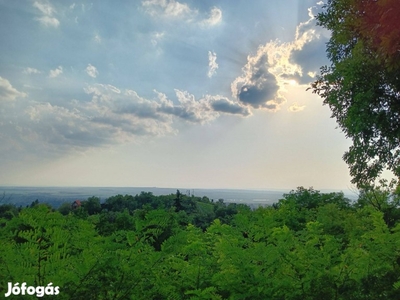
point(308, 245)
point(199, 211)
point(23, 196)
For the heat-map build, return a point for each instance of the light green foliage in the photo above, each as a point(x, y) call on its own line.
point(155, 226)
point(308, 246)
point(40, 246)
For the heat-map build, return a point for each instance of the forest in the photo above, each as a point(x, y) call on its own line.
point(309, 245)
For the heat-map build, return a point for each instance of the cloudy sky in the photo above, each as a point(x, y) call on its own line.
point(166, 93)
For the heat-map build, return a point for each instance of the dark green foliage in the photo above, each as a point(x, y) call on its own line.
point(119, 203)
point(384, 200)
point(92, 205)
point(8, 211)
point(178, 201)
point(362, 87)
point(65, 208)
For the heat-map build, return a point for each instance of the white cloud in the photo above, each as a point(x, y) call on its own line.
point(8, 92)
point(48, 21)
point(306, 52)
point(192, 110)
point(156, 37)
point(312, 74)
point(103, 90)
point(110, 117)
point(31, 71)
point(214, 19)
point(56, 72)
point(47, 18)
point(168, 8)
point(172, 9)
point(92, 71)
point(45, 8)
point(97, 38)
point(32, 87)
point(212, 64)
point(296, 108)
point(86, 8)
point(188, 108)
point(63, 127)
point(125, 113)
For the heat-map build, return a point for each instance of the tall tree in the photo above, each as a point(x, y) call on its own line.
point(362, 84)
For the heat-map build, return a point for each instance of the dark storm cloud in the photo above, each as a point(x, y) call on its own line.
point(183, 113)
point(311, 57)
point(226, 106)
point(258, 95)
point(256, 87)
point(203, 110)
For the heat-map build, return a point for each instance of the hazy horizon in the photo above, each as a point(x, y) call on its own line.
point(178, 188)
point(55, 196)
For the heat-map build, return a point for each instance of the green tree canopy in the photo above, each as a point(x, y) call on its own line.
point(362, 84)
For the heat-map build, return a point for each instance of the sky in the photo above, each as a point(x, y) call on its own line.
point(166, 93)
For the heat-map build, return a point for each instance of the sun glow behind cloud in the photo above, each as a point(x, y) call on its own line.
point(171, 72)
point(275, 64)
